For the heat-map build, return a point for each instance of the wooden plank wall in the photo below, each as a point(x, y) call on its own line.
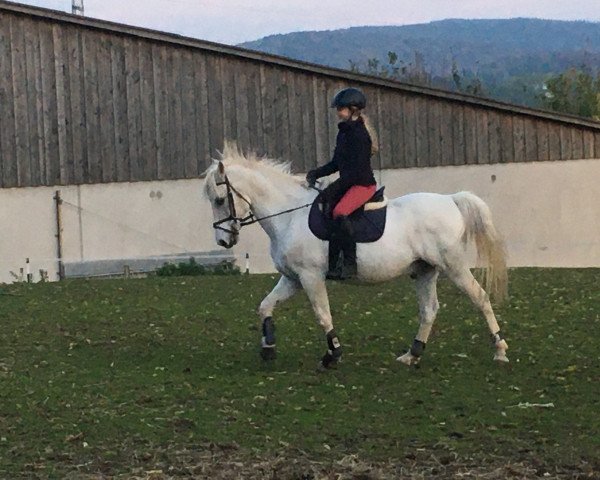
point(82, 105)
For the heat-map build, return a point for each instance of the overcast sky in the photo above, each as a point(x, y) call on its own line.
point(235, 21)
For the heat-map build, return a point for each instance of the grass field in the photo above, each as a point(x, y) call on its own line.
point(161, 377)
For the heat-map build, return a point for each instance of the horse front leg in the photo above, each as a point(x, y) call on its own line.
point(285, 288)
point(317, 294)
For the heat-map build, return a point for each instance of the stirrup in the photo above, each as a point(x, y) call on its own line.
point(334, 274)
point(345, 272)
point(349, 272)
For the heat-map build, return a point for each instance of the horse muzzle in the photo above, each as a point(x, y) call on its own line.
point(233, 240)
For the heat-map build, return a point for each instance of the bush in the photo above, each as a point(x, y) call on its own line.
point(193, 268)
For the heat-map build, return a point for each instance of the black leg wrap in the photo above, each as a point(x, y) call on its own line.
point(268, 329)
point(417, 349)
point(334, 351)
point(333, 343)
point(267, 351)
point(496, 337)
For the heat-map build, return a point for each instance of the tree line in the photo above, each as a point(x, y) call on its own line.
point(575, 91)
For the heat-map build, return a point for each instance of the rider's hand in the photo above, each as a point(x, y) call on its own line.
point(311, 177)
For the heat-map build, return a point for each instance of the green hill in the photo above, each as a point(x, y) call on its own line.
point(511, 57)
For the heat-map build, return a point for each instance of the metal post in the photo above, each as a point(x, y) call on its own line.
point(61, 267)
point(77, 7)
point(28, 274)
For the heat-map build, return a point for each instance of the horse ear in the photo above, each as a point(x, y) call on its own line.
point(221, 168)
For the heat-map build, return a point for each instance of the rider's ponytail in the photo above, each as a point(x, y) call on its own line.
point(372, 133)
point(357, 112)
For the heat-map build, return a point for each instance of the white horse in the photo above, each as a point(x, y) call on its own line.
point(426, 234)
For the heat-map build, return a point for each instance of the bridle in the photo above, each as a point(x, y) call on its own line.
point(248, 219)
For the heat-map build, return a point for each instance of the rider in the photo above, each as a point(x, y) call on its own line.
point(356, 143)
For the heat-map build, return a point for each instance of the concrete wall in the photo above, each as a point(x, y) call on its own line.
point(104, 222)
point(549, 213)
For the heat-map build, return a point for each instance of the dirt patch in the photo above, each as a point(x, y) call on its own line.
point(228, 462)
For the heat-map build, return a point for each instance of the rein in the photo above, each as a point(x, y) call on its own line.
point(250, 218)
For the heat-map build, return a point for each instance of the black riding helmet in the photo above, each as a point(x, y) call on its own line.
point(349, 97)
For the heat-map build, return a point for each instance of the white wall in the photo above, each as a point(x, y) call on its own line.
point(103, 221)
point(549, 213)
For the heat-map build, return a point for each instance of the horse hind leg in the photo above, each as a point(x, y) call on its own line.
point(426, 277)
point(285, 288)
point(464, 279)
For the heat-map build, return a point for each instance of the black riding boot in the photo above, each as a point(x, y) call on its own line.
point(335, 269)
point(335, 247)
point(349, 268)
point(342, 241)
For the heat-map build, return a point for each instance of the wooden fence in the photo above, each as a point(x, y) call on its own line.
point(87, 101)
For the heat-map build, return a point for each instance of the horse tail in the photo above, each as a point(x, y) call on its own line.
point(491, 251)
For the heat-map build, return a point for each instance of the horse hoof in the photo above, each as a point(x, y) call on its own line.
point(408, 359)
point(321, 367)
point(268, 354)
point(501, 357)
point(329, 361)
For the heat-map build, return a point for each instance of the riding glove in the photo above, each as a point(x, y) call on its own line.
point(311, 177)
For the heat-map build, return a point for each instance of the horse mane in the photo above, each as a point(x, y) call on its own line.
point(232, 156)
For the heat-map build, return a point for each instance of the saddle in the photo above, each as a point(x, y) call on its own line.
point(368, 222)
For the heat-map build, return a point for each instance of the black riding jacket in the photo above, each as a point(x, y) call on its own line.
point(352, 155)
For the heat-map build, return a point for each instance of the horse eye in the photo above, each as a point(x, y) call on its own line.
point(219, 201)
